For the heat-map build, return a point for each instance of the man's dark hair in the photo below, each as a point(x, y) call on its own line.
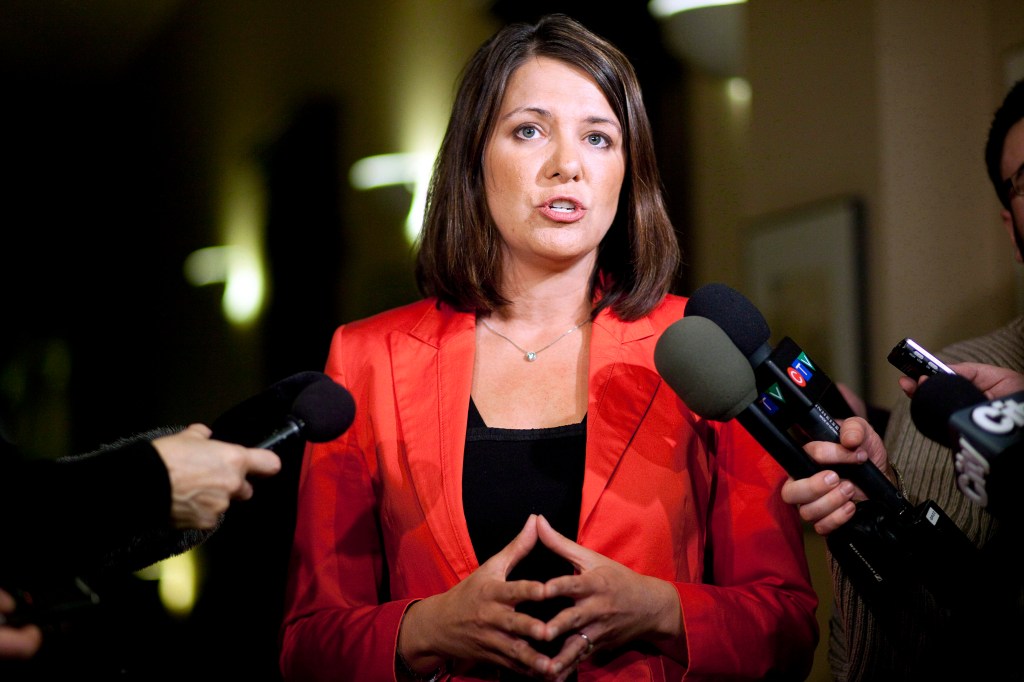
point(1007, 115)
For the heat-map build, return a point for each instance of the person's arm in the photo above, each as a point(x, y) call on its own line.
point(77, 512)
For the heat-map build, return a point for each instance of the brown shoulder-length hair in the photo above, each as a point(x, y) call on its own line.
point(459, 255)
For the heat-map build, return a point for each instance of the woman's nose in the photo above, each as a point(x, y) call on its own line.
point(565, 161)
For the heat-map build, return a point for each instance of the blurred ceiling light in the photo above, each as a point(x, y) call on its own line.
point(411, 170)
point(239, 269)
point(738, 90)
point(666, 8)
point(177, 581)
point(708, 35)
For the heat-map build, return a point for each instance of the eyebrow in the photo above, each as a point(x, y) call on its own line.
point(545, 113)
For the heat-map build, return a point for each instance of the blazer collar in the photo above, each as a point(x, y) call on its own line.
point(621, 388)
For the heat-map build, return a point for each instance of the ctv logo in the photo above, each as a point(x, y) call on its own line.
point(801, 370)
point(771, 399)
point(999, 416)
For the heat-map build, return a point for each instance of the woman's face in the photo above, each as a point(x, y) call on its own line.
point(553, 166)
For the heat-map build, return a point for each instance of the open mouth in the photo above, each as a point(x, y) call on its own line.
point(563, 206)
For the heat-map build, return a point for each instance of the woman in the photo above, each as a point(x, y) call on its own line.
point(514, 450)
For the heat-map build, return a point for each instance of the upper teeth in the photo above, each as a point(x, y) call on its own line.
point(563, 205)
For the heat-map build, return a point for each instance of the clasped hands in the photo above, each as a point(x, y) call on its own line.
point(477, 621)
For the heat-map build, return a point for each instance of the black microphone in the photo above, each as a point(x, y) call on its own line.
point(804, 386)
point(792, 386)
point(703, 367)
point(706, 370)
point(306, 404)
point(878, 548)
point(321, 412)
point(987, 438)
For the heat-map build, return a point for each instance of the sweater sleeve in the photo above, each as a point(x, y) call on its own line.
point(67, 515)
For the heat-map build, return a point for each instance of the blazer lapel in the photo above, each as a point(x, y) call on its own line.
point(622, 386)
point(433, 370)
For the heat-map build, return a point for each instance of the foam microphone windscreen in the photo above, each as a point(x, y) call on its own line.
point(704, 368)
point(935, 401)
point(733, 312)
point(326, 409)
point(248, 422)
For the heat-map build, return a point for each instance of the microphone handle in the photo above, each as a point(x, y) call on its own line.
point(779, 444)
point(817, 424)
point(875, 485)
point(293, 427)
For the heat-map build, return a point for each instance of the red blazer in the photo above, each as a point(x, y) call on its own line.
point(695, 502)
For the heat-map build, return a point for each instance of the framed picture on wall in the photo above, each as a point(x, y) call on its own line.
point(804, 270)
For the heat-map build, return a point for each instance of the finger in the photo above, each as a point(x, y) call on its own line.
point(804, 490)
point(200, 429)
point(577, 648)
point(20, 643)
point(580, 557)
point(7, 602)
point(521, 545)
point(827, 453)
point(262, 462)
point(819, 509)
point(244, 492)
point(835, 520)
point(854, 432)
point(909, 384)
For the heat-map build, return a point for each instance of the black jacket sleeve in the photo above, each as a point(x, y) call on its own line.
point(85, 512)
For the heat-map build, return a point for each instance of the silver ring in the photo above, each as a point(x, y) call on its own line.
point(590, 645)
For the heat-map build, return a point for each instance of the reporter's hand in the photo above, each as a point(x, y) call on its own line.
point(476, 620)
point(206, 475)
point(17, 642)
point(824, 500)
point(613, 605)
point(994, 382)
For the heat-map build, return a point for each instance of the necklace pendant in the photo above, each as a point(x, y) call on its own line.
point(531, 356)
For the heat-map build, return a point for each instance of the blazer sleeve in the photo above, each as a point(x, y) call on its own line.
point(338, 616)
point(753, 615)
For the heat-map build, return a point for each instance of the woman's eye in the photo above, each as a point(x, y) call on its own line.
point(527, 132)
point(598, 140)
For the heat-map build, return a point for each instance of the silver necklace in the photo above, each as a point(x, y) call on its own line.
point(531, 355)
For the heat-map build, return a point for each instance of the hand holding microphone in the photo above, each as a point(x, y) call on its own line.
point(794, 392)
point(206, 475)
point(887, 543)
point(306, 404)
point(710, 374)
point(210, 467)
point(986, 436)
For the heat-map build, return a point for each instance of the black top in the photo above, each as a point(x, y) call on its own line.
point(509, 474)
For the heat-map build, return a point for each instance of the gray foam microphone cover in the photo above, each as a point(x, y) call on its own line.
point(705, 368)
